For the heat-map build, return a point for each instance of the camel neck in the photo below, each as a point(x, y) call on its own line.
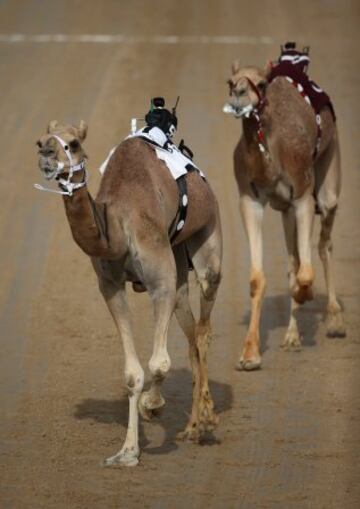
point(86, 221)
point(250, 129)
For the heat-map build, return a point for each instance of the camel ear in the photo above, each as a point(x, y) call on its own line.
point(235, 66)
point(52, 126)
point(82, 130)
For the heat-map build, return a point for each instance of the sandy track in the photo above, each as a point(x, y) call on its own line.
point(289, 434)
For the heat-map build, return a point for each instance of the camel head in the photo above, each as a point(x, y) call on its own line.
point(246, 88)
point(60, 149)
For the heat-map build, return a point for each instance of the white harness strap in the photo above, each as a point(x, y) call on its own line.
point(69, 186)
point(65, 146)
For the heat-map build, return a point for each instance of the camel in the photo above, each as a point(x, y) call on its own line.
point(125, 232)
point(288, 157)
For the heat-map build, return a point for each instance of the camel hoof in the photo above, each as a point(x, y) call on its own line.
point(251, 364)
point(122, 459)
point(149, 407)
point(208, 420)
point(292, 342)
point(335, 325)
point(138, 287)
point(301, 294)
point(190, 434)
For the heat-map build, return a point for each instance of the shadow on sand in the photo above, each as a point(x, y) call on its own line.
point(177, 391)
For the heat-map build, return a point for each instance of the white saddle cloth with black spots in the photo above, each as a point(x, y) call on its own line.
point(165, 150)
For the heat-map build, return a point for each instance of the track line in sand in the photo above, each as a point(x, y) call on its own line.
point(136, 39)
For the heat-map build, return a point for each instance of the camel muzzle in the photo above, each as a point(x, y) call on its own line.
point(48, 167)
point(238, 111)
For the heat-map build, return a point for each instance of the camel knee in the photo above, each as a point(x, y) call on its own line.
point(305, 276)
point(182, 297)
point(159, 365)
point(210, 282)
point(134, 380)
point(257, 283)
point(203, 335)
point(325, 248)
point(327, 204)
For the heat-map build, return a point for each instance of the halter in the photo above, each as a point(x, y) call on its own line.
point(253, 112)
point(66, 185)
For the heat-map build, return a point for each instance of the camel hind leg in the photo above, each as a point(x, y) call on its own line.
point(205, 251)
point(327, 193)
point(304, 208)
point(335, 322)
point(292, 340)
point(186, 320)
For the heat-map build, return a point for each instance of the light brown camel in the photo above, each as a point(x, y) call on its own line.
point(125, 232)
point(274, 163)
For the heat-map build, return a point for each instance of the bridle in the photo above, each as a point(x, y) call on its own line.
point(261, 99)
point(66, 186)
point(255, 112)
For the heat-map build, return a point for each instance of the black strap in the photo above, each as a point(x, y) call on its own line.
point(184, 149)
point(178, 223)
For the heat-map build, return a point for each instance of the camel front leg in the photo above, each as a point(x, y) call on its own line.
point(252, 214)
point(160, 281)
point(115, 298)
point(304, 213)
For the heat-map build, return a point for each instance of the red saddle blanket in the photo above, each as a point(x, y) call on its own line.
point(293, 64)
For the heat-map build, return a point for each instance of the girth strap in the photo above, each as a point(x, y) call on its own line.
point(178, 223)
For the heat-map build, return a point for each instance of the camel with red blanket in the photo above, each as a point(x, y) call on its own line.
point(288, 156)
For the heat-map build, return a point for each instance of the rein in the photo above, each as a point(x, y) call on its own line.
point(252, 112)
point(67, 187)
point(255, 114)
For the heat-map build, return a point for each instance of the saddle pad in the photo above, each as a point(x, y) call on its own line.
point(318, 98)
point(177, 163)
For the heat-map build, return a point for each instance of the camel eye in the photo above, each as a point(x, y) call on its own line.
point(242, 91)
point(74, 145)
point(231, 86)
point(39, 144)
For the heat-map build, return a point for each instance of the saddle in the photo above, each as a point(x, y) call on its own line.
point(293, 64)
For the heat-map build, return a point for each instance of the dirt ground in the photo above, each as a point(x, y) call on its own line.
point(288, 434)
